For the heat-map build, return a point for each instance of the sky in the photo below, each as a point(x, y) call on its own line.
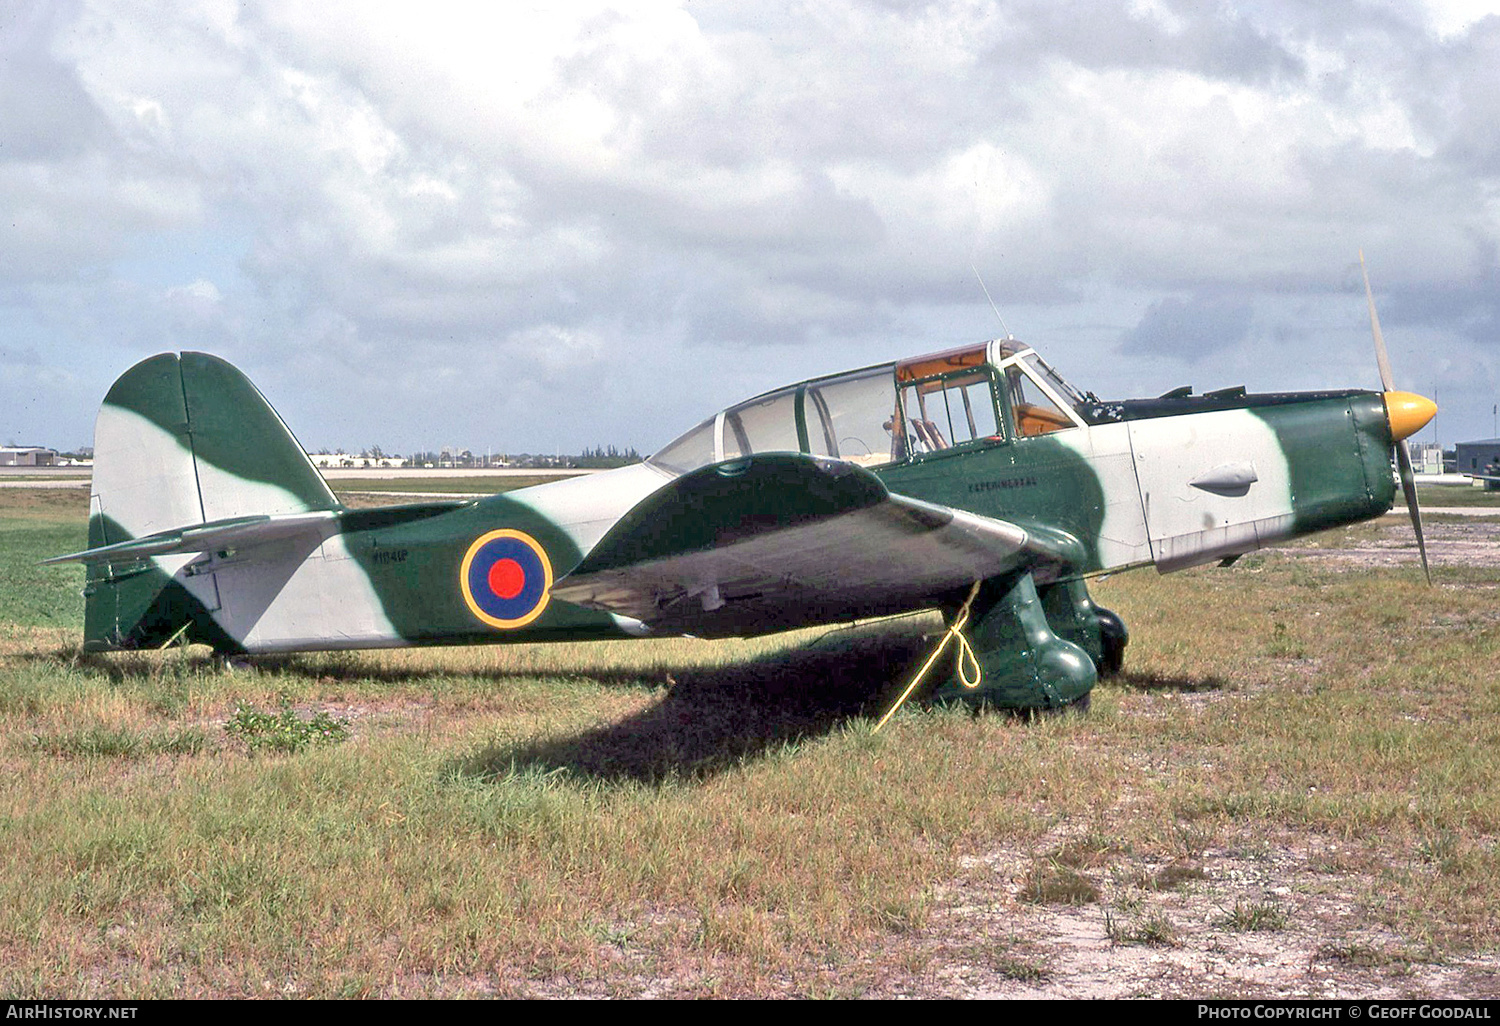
point(539, 227)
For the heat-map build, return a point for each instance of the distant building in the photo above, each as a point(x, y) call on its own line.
point(1426, 457)
point(1481, 457)
point(27, 456)
point(345, 460)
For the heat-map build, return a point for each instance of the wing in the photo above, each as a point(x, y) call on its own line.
point(781, 540)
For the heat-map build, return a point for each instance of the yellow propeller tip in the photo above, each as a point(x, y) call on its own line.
point(1408, 413)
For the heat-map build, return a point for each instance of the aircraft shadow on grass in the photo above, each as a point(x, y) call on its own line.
point(714, 718)
point(1135, 680)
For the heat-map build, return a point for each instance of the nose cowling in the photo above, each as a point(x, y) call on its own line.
point(1408, 413)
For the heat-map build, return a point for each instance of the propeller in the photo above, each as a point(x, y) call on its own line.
point(1407, 414)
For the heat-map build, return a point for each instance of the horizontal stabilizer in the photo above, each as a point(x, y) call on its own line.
point(231, 533)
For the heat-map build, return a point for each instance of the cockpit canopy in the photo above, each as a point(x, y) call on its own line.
point(959, 399)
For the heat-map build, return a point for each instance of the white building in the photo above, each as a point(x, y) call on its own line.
point(339, 460)
point(1426, 457)
point(27, 456)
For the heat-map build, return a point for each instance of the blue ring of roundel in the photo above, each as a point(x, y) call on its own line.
point(474, 578)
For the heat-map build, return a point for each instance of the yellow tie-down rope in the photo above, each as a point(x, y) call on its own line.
point(966, 658)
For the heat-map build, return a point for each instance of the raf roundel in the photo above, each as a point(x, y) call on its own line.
point(506, 578)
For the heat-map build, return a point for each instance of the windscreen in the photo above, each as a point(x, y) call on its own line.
point(693, 450)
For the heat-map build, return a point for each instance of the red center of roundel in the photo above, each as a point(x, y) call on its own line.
point(506, 578)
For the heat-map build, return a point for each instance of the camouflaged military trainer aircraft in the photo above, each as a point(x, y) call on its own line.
point(975, 480)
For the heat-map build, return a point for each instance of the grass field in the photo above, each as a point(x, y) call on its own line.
point(1294, 789)
point(1453, 495)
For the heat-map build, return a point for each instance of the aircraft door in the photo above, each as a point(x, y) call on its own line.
point(1122, 533)
point(949, 410)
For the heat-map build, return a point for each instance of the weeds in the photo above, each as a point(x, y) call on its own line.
point(284, 731)
point(1051, 883)
point(1364, 955)
point(1283, 645)
point(1172, 876)
point(1154, 930)
point(1247, 917)
point(1021, 970)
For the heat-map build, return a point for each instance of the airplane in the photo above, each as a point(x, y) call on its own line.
point(976, 481)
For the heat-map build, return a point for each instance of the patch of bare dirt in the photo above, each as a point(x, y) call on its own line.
point(1271, 922)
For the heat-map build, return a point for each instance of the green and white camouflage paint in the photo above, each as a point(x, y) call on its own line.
point(976, 474)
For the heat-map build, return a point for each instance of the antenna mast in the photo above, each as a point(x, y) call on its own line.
point(993, 307)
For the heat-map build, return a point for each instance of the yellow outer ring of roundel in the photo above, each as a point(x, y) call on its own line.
point(541, 554)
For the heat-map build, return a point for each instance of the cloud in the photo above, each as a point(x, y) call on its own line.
point(371, 185)
point(1190, 329)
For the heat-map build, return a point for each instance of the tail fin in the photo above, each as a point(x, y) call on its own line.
point(182, 440)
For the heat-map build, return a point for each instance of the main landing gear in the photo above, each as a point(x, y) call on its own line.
point(1038, 648)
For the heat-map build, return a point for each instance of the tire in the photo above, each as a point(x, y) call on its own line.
point(1113, 638)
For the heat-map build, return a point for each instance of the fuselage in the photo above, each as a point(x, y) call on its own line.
point(1172, 483)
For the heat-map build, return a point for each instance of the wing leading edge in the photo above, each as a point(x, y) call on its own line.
point(782, 540)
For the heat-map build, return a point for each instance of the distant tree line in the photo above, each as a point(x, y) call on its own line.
point(599, 458)
point(604, 457)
